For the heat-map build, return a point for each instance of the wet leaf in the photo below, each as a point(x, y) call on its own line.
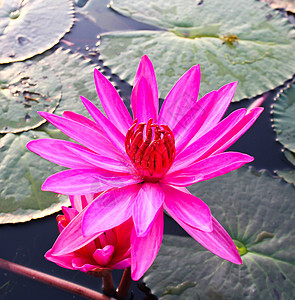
point(257, 211)
point(284, 117)
point(21, 175)
point(76, 75)
point(286, 4)
point(288, 175)
point(25, 89)
point(258, 52)
point(30, 27)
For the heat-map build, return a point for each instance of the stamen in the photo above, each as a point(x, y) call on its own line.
point(152, 152)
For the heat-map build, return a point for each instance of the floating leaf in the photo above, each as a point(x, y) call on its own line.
point(288, 175)
point(30, 27)
point(76, 75)
point(248, 42)
point(284, 117)
point(26, 88)
point(286, 4)
point(21, 177)
point(257, 211)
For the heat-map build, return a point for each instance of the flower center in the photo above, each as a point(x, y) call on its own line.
point(152, 152)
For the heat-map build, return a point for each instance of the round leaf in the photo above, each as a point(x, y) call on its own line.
point(284, 117)
point(257, 211)
point(259, 52)
point(30, 27)
point(21, 175)
point(288, 175)
point(25, 89)
point(76, 75)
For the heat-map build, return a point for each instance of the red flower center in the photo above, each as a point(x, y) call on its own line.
point(152, 152)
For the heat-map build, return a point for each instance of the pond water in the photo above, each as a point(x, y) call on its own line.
point(26, 243)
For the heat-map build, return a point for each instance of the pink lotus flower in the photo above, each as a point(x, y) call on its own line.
point(108, 250)
point(144, 164)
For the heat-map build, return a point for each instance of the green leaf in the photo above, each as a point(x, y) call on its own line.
point(76, 75)
point(288, 175)
point(284, 117)
point(31, 27)
point(21, 175)
point(38, 85)
point(25, 89)
point(257, 211)
point(258, 53)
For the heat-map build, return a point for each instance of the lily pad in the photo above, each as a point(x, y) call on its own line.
point(76, 75)
point(25, 88)
point(31, 27)
point(286, 4)
point(288, 175)
point(21, 177)
point(248, 42)
point(257, 211)
point(284, 117)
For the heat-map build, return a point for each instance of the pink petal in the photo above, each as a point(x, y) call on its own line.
point(192, 121)
point(217, 241)
point(239, 130)
point(64, 261)
point(123, 264)
point(143, 97)
point(83, 264)
point(110, 209)
point(145, 249)
point(219, 104)
point(82, 120)
point(181, 98)
point(208, 168)
point(148, 202)
point(123, 233)
point(188, 208)
point(112, 104)
point(79, 202)
point(69, 213)
point(116, 136)
point(90, 138)
point(104, 256)
point(146, 70)
point(199, 148)
point(120, 255)
point(57, 151)
point(72, 238)
point(85, 181)
point(101, 162)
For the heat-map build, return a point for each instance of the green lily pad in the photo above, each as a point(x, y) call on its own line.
point(76, 75)
point(288, 175)
point(21, 177)
point(290, 156)
point(25, 88)
point(31, 27)
point(284, 117)
point(248, 42)
point(257, 211)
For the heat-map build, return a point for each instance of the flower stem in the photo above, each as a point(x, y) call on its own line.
point(51, 280)
point(125, 284)
point(107, 281)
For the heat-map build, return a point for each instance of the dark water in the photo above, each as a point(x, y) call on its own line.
point(26, 243)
